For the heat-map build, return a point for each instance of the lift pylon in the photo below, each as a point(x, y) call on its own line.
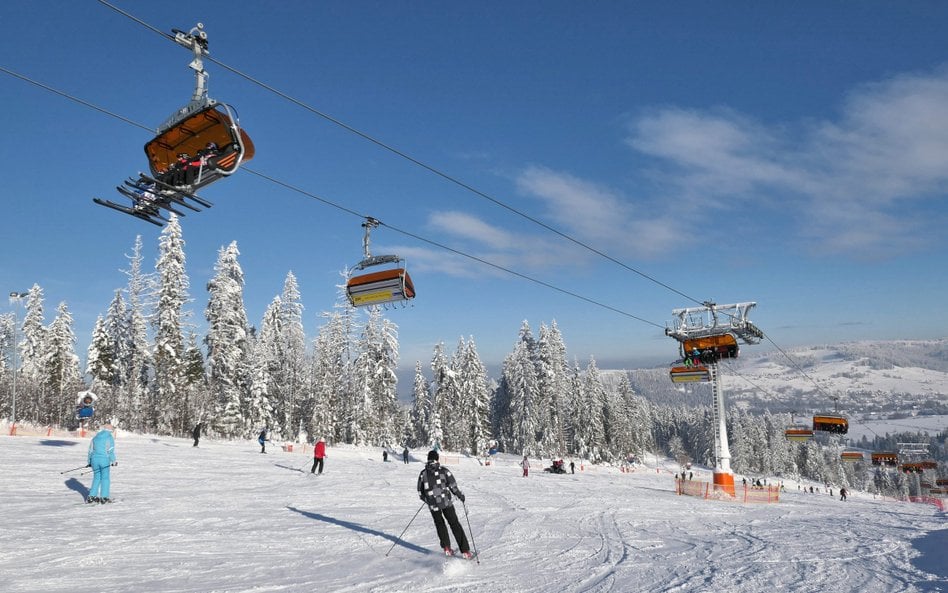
point(707, 334)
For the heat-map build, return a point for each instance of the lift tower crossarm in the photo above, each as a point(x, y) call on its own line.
point(712, 319)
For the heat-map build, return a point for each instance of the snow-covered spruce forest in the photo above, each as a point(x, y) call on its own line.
point(154, 374)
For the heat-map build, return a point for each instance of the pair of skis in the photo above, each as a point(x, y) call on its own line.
point(149, 196)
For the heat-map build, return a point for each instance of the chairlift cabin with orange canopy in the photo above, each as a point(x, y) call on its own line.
point(833, 423)
point(199, 144)
point(388, 282)
point(890, 458)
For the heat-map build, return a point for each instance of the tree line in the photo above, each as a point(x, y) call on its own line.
point(154, 374)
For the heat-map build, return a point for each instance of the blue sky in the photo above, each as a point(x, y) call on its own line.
point(792, 155)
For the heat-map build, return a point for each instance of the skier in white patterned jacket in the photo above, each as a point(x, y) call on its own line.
point(435, 486)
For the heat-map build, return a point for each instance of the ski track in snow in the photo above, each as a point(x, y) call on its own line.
point(224, 518)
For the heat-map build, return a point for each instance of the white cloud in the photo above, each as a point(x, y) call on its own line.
point(599, 216)
point(851, 182)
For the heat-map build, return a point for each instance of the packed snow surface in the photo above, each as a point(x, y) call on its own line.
point(223, 517)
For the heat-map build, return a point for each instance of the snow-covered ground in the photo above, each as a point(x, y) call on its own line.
point(871, 428)
point(223, 517)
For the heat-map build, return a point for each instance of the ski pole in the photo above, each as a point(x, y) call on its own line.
point(404, 530)
point(471, 531)
point(73, 469)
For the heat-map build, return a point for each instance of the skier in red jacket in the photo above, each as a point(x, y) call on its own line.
point(319, 453)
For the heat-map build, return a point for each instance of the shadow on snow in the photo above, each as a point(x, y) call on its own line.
point(74, 484)
point(932, 559)
point(55, 443)
point(361, 529)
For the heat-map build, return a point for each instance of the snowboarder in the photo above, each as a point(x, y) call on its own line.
point(525, 464)
point(101, 457)
point(196, 433)
point(319, 453)
point(435, 486)
point(262, 439)
point(842, 494)
point(405, 455)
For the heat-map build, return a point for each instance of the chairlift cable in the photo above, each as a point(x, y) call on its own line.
point(355, 213)
point(73, 98)
point(400, 153)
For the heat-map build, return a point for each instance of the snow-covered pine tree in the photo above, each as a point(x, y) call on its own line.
point(601, 412)
point(100, 366)
point(348, 402)
point(329, 380)
point(375, 380)
point(200, 401)
point(270, 345)
point(32, 349)
point(228, 346)
point(259, 410)
point(440, 399)
point(292, 377)
point(553, 388)
point(7, 321)
point(420, 409)
point(475, 399)
point(62, 377)
point(166, 408)
point(520, 379)
point(132, 408)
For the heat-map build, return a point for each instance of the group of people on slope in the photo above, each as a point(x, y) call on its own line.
point(436, 485)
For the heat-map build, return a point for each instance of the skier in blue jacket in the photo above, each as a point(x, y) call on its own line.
point(101, 458)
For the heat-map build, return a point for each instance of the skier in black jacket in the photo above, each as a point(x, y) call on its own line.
point(435, 486)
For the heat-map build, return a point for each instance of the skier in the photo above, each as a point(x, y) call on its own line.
point(525, 464)
point(319, 453)
point(842, 494)
point(262, 439)
point(572, 467)
point(196, 433)
point(101, 457)
point(405, 455)
point(435, 486)
point(384, 454)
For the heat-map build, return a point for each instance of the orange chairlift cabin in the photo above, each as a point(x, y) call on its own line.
point(917, 467)
point(714, 341)
point(890, 458)
point(388, 284)
point(852, 456)
point(835, 422)
point(798, 431)
point(199, 144)
point(203, 138)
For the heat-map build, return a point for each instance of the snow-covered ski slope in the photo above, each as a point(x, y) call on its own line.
point(224, 518)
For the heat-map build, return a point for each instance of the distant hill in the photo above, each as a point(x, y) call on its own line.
point(887, 377)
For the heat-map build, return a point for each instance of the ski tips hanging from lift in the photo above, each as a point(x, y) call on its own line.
point(388, 284)
point(198, 145)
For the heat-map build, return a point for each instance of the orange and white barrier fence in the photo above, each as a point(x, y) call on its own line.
point(746, 494)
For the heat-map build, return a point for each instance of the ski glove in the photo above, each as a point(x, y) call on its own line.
point(114, 463)
point(461, 497)
point(88, 465)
